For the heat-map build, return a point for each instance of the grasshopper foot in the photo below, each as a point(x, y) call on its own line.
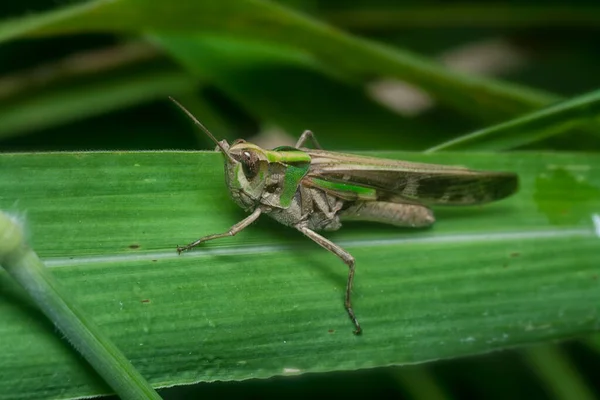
point(181, 249)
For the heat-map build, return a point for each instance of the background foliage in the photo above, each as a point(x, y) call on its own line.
point(366, 76)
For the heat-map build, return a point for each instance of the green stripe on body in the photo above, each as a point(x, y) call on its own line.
point(361, 191)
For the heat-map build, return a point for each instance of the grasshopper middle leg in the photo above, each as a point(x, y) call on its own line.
point(305, 137)
point(347, 259)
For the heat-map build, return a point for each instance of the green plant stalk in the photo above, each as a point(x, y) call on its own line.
point(593, 342)
point(419, 382)
point(557, 374)
point(23, 264)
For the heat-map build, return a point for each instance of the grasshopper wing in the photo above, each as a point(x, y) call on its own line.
point(352, 177)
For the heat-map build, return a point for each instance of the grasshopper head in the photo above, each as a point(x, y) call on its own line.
point(246, 169)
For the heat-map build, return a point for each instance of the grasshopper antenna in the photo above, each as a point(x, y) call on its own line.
point(204, 129)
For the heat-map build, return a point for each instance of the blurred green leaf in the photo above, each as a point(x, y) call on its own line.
point(483, 278)
point(566, 116)
point(557, 373)
point(594, 341)
point(420, 382)
point(278, 86)
point(400, 15)
point(101, 94)
point(335, 50)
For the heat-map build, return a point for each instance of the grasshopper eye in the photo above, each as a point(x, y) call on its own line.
point(250, 164)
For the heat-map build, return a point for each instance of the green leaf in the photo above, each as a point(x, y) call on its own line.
point(399, 15)
point(577, 112)
point(340, 52)
point(25, 267)
point(74, 101)
point(268, 302)
point(560, 377)
point(285, 88)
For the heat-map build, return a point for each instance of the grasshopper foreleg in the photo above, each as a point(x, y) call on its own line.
point(347, 259)
point(231, 232)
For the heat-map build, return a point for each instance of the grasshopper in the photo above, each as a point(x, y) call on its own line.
point(315, 190)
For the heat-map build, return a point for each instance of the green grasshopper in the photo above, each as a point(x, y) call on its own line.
point(314, 190)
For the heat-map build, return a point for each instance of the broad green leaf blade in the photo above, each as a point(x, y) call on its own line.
point(578, 112)
point(272, 22)
point(268, 302)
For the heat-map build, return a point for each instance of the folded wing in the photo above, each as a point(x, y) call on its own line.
point(353, 177)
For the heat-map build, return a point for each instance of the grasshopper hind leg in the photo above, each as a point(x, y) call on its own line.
point(347, 259)
point(398, 214)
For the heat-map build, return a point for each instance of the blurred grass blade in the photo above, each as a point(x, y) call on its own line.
point(399, 15)
point(21, 27)
point(557, 373)
point(419, 382)
point(268, 302)
point(593, 342)
point(339, 51)
point(578, 112)
point(25, 267)
point(91, 97)
point(86, 84)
